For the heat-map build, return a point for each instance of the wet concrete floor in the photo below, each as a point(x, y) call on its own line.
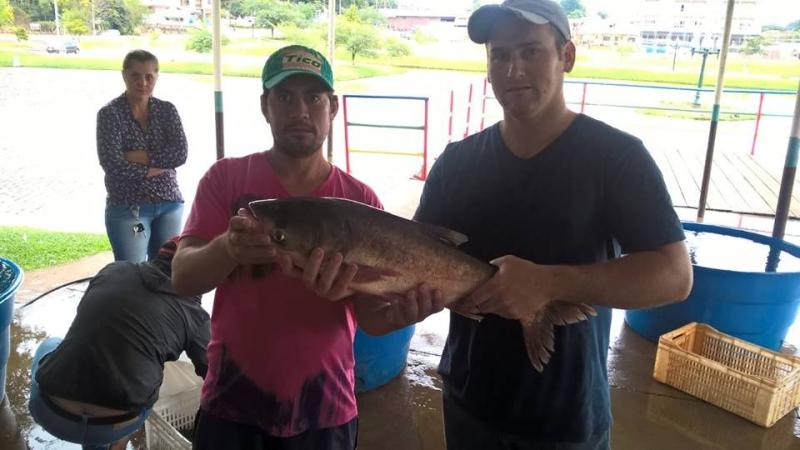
point(405, 414)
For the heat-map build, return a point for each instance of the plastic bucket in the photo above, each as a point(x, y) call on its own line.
point(10, 279)
point(758, 307)
point(380, 358)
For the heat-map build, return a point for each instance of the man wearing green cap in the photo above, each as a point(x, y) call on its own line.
point(553, 199)
point(281, 361)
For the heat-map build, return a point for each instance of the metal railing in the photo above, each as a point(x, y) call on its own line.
point(585, 92)
point(423, 127)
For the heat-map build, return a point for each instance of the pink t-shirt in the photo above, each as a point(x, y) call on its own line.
point(280, 357)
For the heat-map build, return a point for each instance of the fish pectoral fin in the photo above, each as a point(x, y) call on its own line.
point(565, 313)
point(468, 315)
point(540, 342)
point(445, 235)
point(371, 274)
point(462, 308)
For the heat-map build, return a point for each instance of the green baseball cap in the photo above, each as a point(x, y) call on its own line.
point(293, 60)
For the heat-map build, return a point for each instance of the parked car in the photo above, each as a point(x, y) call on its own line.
point(66, 45)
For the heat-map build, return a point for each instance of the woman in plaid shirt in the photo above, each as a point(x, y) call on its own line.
point(140, 142)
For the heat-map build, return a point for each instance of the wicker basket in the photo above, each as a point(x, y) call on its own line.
point(750, 381)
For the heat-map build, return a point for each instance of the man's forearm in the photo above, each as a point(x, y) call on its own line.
point(372, 320)
point(638, 280)
point(200, 266)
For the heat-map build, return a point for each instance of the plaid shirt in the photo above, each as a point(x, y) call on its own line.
point(164, 140)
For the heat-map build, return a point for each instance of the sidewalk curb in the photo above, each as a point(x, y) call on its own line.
point(39, 281)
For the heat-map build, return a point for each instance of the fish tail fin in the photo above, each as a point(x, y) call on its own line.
point(565, 313)
point(539, 334)
point(539, 342)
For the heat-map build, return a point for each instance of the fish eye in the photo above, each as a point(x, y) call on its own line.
point(278, 236)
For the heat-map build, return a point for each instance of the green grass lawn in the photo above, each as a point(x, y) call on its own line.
point(32, 248)
point(344, 72)
point(245, 56)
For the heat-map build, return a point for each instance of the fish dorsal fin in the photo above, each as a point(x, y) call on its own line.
point(445, 235)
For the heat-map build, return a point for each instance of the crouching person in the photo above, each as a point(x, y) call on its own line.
point(97, 386)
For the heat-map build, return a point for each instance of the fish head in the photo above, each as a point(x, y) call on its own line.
point(297, 225)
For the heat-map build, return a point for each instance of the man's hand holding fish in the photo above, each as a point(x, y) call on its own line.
point(518, 290)
point(246, 241)
point(331, 278)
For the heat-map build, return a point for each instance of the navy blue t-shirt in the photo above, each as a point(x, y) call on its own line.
point(592, 192)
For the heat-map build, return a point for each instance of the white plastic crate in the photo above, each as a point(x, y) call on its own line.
point(175, 410)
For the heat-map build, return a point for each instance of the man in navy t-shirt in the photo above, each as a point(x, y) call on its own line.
point(554, 199)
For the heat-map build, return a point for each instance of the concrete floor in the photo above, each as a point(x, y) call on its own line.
point(647, 414)
point(405, 414)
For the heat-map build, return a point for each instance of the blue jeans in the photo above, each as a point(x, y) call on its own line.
point(70, 427)
point(136, 232)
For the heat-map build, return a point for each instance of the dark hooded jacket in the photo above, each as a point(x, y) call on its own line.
point(129, 323)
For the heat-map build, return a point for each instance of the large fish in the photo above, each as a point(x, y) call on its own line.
point(394, 255)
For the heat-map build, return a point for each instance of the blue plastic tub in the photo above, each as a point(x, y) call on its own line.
point(757, 306)
point(10, 279)
point(380, 358)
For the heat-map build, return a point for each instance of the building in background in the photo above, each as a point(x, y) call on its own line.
point(695, 23)
point(410, 15)
point(176, 15)
point(597, 31)
point(664, 24)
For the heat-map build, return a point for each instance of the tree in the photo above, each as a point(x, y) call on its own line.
point(395, 47)
point(234, 7)
point(272, 13)
point(573, 8)
point(771, 28)
point(202, 41)
point(21, 17)
point(21, 34)
point(314, 37)
point(113, 14)
point(752, 46)
point(794, 26)
point(136, 11)
point(6, 13)
point(357, 38)
point(75, 22)
point(366, 15)
point(37, 10)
